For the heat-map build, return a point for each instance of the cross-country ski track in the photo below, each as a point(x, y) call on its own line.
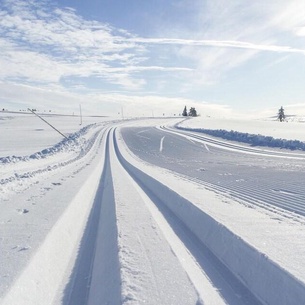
point(133, 233)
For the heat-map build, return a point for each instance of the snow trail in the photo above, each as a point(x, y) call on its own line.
point(161, 144)
point(94, 279)
point(180, 214)
point(160, 285)
point(135, 233)
point(41, 281)
point(232, 147)
point(254, 267)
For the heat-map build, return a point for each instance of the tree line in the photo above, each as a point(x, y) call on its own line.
point(192, 112)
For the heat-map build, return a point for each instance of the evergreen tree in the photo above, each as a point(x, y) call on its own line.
point(193, 112)
point(184, 113)
point(281, 114)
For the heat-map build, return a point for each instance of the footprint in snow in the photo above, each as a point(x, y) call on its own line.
point(21, 248)
point(22, 211)
point(24, 248)
point(56, 183)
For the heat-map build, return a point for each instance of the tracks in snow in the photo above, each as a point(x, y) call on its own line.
point(234, 147)
point(144, 243)
point(168, 251)
point(20, 173)
point(137, 250)
point(287, 200)
point(130, 257)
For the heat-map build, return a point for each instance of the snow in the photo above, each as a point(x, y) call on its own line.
point(256, 133)
point(267, 127)
point(246, 235)
point(86, 221)
point(142, 240)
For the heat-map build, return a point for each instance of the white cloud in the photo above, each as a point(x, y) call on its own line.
point(61, 31)
point(54, 48)
point(220, 44)
point(288, 15)
point(232, 33)
point(40, 33)
point(212, 58)
point(44, 43)
point(15, 97)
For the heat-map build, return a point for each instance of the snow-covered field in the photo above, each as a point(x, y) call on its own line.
point(107, 216)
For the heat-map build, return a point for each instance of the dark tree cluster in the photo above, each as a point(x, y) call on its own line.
point(281, 114)
point(192, 112)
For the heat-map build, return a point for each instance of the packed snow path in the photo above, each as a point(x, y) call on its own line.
point(258, 176)
point(132, 234)
point(149, 255)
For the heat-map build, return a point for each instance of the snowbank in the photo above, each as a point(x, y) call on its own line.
point(48, 270)
point(24, 134)
point(252, 139)
point(72, 142)
point(279, 135)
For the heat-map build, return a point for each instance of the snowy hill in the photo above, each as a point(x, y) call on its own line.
point(118, 209)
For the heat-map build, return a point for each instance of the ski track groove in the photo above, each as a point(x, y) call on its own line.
point(36, 270)
point(221, 288)
point(91, 279)
point(87, 278)
point(25, 178)
point(262, 197)
point(239, 293)
point(235, 147)
point(292, 204)
point(248, 199)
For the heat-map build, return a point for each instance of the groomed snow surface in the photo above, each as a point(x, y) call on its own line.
point(151, 211)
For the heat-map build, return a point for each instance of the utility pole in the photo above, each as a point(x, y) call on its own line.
point(48, 123)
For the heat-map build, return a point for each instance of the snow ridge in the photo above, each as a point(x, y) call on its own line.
point(74, 140)
point(252, 139)
point(253, 268)
point(22, 171)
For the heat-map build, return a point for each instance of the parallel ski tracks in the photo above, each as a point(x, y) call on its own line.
point(204, 253)
point(97, 274)
point(275, 194)
point(205, 260)
point(214, 283)
point(260, 199)
point(28, 173)
point(271, 196)
point(235, 147)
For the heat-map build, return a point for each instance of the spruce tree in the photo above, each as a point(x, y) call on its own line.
point(184, 113)
point(281, 114)
point(193, 112)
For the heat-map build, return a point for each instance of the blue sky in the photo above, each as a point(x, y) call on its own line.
point(222, 57)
